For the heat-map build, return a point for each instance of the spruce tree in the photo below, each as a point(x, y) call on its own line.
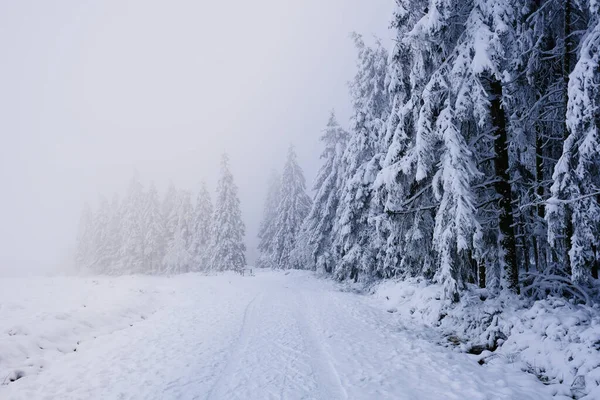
point(169, 211)
point(201, 227)
point(154, 243)
point(178, 258)
point(577, 175)
point(102, 256)
point(84, 253)
point(294, 205)
point(266, 230)
point(354, 235)
point(114, 238)
point(313, 247)
point(404, 217)
point(227, 250)
point(132, 229)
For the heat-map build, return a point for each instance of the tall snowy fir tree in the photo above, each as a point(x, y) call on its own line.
point(201, 227)
point(266, 230)
point(227, 249)
point(114, 237)
point(132, 228)
point(404, 220)
point(577, 174)
point(178, 257)
point(154, 228)
point(294, 205)
point(169, 211)
point(84, 252)
point(353, 234)
point(102, 257)
point(313, 247)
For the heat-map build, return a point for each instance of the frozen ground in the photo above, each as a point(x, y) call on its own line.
point(272, 336)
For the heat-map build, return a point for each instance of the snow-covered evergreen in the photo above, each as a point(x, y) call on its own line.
point(294, 205)
point(102, 257)
point(201, 227)
point(84, 253)
point(178, 257)
point(266, 230)
point(313, 246)
point(115, 237)
point(353, 236)
point(132, 228)
point(227, 249)
point(154, 241)
point(577, 174)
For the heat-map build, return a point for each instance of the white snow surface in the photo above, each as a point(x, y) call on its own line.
point(552, 338)
point(275, 335)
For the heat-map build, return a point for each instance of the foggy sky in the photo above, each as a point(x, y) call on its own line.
point(92, 90)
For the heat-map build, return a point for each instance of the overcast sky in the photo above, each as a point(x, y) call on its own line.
point(92, 90)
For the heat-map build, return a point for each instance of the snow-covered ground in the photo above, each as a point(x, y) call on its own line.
point(554, 339)
point(272, 336)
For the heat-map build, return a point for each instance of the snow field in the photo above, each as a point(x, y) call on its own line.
point(42, 319)
point(272, 336)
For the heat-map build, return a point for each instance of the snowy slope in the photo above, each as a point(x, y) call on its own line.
point(272, 336)
point(554, 339)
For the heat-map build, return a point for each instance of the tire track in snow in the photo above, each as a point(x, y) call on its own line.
point(327, 377)
point(272, 358)
point(240, 344)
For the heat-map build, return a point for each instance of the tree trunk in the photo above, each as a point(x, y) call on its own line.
point(568, 48)
point(526, 255)
point(540, 208)
point(595, 262)
point(482, 276)
point(503, 188)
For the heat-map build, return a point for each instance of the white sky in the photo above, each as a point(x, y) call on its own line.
point(91, 90)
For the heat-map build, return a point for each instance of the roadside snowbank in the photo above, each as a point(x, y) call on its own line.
point(557, 341)
point(43, 318)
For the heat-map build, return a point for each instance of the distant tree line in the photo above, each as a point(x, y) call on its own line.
point(472, 156)
point(146, 235)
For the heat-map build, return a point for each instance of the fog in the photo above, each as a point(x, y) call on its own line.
point(91, 91)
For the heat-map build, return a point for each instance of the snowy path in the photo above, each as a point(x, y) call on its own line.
point(273, 336)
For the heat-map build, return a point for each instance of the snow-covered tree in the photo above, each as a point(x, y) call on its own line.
point(227, 249)
point(313, 247)
point(354, 233)
point(266, 230)
point(114, 237)
point(169, 211)
point(154, 228)
point(577, 174)
point(201, 230)
point(178, 257)
point(102, 256)
point(84, 253)
point(132, 229)
point(294, 205)
point(404, 221)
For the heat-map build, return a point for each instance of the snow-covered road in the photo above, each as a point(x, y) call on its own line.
point(271, 336)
